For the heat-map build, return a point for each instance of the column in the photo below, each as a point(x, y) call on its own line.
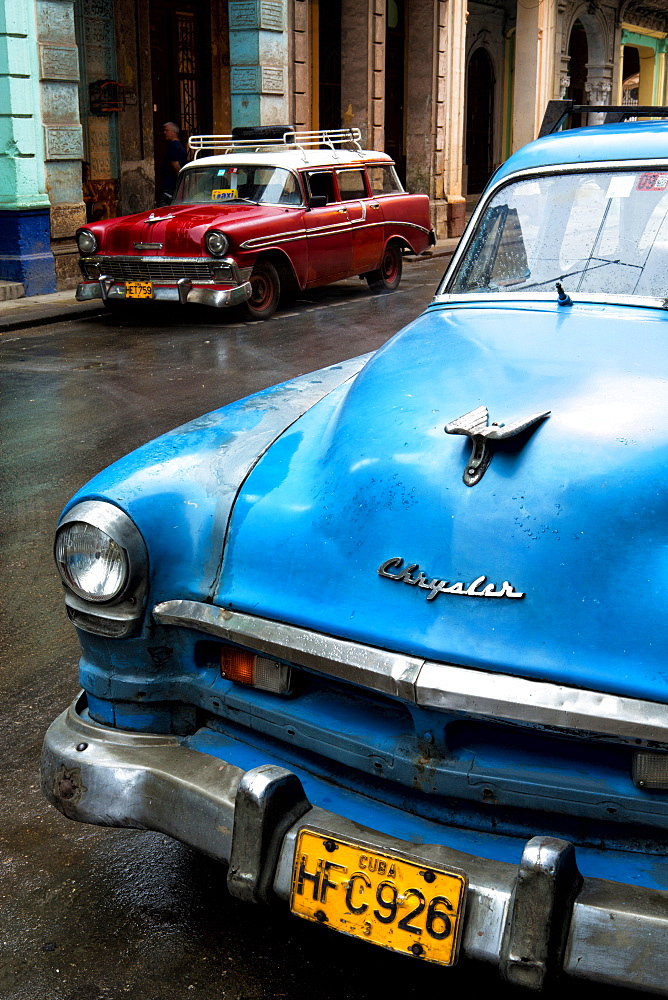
point(63, 144)
point(450, 214)
point(259, 62)
point(534, 58)
point(363, 69)
point(301, 67)
point(25, 254)
point(135, 124)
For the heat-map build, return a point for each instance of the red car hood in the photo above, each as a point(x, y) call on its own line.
point(181, 228)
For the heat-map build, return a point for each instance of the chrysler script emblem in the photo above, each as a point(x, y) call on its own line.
point(414, 577)
point(475, 424)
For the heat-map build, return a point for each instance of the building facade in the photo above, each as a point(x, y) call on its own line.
point(448, 87)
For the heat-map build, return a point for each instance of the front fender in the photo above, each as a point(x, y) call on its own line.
point(179, 489)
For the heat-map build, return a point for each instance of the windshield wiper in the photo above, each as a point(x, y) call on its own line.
point(571, 274)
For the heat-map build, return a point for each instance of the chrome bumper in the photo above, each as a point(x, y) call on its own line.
point(183, 292)
point(532, 921)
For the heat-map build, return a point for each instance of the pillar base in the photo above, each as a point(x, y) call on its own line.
point(449, 216)
point(25, 252)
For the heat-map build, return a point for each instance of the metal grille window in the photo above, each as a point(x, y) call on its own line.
point(186, 56)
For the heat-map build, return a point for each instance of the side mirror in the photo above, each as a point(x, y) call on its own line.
point(317, 201)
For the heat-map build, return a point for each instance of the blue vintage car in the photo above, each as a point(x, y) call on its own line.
point(390, 639)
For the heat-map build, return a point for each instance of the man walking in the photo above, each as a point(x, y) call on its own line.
point(174, 158)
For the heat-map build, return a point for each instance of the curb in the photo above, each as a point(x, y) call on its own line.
point(13, 319)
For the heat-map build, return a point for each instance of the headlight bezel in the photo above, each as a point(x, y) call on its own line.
point(128, 603)
point(82, 235)
point(224, 244)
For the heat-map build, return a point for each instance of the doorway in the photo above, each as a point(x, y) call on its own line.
point(180, 70)
point(329, 64)
point(395, 87)
point(578, 53)
point(479, 121)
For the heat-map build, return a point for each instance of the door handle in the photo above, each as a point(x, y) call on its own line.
point(341, 211)
point(374, 204)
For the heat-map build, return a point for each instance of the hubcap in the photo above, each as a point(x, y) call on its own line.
point(261, 289)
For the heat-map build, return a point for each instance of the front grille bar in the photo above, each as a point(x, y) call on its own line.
point(158, 269)
point(449, 688)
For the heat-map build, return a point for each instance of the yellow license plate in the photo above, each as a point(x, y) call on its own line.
point(139, 289)
point(380, 897)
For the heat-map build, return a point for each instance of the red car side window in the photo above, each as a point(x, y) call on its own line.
point(322, 182)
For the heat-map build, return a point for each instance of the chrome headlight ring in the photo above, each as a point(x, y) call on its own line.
point(216, 242)
point(103, 563)
point(86, 241)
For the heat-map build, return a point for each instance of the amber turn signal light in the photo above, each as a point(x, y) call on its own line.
point(244, 667)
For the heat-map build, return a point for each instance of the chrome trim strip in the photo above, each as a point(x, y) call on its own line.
point(517, 298)
point(391, 673)
point(295, 234)
point(153, 259)
point(617, 932)
point(591, 166)
point(262, 242)
point(489, 695)
point(442, 686)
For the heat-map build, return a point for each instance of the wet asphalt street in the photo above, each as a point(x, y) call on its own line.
point(94, 914)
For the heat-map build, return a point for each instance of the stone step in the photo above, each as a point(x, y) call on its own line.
point(11, 290)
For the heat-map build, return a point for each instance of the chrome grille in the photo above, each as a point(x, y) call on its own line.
point(167, 269)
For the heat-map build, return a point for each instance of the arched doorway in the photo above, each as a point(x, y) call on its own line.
point(479, 120)
point(578, 56)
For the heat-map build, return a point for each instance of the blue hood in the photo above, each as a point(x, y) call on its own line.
point(572, 513)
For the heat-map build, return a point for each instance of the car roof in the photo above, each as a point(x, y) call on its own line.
point(294, 159)
point(646, 140)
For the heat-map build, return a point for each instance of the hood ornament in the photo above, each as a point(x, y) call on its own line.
point(158, 218)
point(475, 424)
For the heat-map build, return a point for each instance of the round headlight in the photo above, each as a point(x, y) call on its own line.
point(216, 242)
point(91, 563)
point(86, 241)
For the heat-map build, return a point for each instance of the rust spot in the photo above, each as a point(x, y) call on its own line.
point(68, 788)
point(426, 762)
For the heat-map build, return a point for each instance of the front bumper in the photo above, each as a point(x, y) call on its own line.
point(183, 291)
point(533, 921)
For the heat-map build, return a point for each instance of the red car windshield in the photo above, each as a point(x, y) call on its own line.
point(264, 185)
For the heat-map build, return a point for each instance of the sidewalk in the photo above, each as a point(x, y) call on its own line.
point(38, 310)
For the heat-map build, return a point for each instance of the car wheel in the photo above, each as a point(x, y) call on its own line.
point(388, 275)
point(265, 291)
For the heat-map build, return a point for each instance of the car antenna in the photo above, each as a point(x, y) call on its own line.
point(563, 298)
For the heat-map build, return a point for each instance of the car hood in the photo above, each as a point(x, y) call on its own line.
point(181, 228)
point(571, 513)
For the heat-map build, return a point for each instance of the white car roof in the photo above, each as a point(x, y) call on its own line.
point(293, 159)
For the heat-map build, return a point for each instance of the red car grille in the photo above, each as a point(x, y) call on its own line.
point(155, 268)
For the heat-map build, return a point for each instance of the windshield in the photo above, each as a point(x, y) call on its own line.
point(261, 185)
point(603, 232)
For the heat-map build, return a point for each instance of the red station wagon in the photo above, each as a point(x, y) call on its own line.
point(276, 212)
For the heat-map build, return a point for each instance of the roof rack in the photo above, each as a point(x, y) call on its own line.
point(557, 112)
point(290, 139)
